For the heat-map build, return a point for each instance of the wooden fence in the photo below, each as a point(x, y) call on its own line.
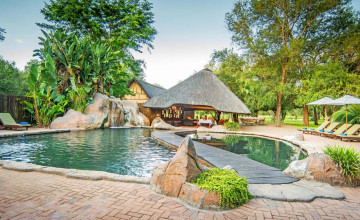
point(13, 105)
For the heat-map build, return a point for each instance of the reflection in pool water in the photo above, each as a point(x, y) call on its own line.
point(121, 151)
point(271, 152)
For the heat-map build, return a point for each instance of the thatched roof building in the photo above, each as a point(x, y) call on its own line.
point(203, 89)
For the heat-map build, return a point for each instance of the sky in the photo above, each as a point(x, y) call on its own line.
point(188, 32)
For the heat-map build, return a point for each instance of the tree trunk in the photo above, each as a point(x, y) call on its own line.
point(315, 117)
point(278, 101)
point(295, 114)
point(278, 110)
point(36, 110)
point(305, 115)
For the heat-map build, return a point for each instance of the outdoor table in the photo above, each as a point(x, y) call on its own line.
point(202, 121)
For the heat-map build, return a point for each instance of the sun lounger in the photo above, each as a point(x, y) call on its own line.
point(350, 134)
point(331, 128)
point(350, 138)
point(7, 121)
point(338, 131)
point(310, 131)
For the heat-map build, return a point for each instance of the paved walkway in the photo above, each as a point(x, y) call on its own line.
point(31, 131)
point(255, 172)
point(33, 195)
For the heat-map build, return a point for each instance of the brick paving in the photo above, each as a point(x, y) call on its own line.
point(34, 195)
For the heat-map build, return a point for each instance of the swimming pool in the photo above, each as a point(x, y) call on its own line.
point(275, 153)
point(128, 151)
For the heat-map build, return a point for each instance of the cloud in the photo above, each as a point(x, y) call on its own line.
point(19, 41)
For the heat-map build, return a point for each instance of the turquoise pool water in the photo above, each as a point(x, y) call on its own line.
point(123, 151)
point(271, 152)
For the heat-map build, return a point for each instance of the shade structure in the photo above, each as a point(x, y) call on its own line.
point(346, 100)
point(323, 101)
point(201, 89)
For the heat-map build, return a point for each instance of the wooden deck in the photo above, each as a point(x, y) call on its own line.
point(255, 172)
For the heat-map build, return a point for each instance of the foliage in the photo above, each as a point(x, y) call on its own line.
point(279, 38)
point(232, 126)
point(47, 104)
point(2, 32)
point(347, 159)
point(232, 188)
point(353, 115)
point(125, 25)
point(13, 81)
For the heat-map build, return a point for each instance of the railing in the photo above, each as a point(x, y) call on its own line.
point(13, 105)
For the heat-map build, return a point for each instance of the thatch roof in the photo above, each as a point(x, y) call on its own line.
point(150, 89)
point(201, 89)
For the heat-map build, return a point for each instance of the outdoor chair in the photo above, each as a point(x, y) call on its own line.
point(351, 138)
point(7, 121)
point(338, 131)
point(310, 131)
point(329, 129)
point(350, 134)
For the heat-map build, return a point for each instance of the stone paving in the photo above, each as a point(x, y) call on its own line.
point(33, 195)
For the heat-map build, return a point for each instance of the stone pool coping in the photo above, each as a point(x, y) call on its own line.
point(73, 173)
point(12, 133)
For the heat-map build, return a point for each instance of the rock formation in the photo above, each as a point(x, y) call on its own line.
point(104, 111)
point(317, 167)
point(173, 178)
point(158, 123)
point(169, 178)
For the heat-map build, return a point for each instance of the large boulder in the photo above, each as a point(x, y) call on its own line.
point(94, 116)
point(296, 136)
point(133, 117)
point(158, 123)
point(317, 167)
point(169, 178)
point(116, 113)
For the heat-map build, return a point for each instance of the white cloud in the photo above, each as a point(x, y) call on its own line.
point(19, 41)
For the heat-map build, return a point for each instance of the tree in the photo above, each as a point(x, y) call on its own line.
point(2, 32)
point(276, 36)
point(125, 24)
point(242, 80)
point(13, 81)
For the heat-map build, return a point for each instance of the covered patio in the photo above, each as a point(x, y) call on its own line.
point(203, 91)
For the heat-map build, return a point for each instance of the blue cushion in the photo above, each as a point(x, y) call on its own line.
point(312, 129)
point(330, 132)
point(343, 134)
point(305, 128)
point(321, 130)
point(23, 123)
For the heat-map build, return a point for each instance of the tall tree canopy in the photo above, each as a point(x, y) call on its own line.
point(126, 23)
point(279, 36)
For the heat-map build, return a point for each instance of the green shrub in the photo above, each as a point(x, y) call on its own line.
point(232, 126)
point(232, 188)
point(347, 158)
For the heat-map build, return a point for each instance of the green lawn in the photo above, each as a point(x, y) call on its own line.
point(296, 123)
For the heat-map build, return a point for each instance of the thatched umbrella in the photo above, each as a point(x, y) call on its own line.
point(201, 89)
point(323, 101)
point(346, 100)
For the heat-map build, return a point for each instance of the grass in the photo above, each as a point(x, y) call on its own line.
point(295, 123)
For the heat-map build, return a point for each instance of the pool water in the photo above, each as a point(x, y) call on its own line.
point(271, 152)
point(123, 151)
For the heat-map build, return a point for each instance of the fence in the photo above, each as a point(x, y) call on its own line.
point(13, 105)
